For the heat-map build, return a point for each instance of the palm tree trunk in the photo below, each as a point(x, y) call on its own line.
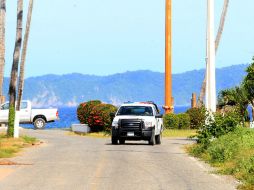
point(14, 70)
point(2, 46)
point(217, 43)
point(23, 56)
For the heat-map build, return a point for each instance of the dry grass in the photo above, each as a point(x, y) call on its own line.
point(166, 133)
point(178, 133)
point(10, 146)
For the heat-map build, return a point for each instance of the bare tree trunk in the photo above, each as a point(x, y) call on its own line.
point(217, 43)
point(14, 71)
point(2, 45)
point(23, 56)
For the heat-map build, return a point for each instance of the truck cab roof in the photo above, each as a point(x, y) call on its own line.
point(148, 103)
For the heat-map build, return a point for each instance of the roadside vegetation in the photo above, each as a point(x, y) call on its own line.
point(184, 124)
point(232, 154)
point(174, 133)
point(224, 140)
point(9, 147)
point(92, 134)
point(97, 115)
point(193, 119)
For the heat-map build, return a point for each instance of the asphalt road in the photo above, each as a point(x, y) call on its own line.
point(67, 162)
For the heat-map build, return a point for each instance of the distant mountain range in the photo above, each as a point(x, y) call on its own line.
point(71, 89)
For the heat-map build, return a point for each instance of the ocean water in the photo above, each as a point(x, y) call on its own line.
point(68, 116)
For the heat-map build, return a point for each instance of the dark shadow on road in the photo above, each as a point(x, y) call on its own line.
point(129, 144)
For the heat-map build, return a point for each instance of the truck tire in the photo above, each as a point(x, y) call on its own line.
point(39, 123)
point(152, 139)
point(158, 139)
point(114, 140)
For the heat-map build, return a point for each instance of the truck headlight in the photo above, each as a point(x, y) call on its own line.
point(148, 124)
point(115, 124)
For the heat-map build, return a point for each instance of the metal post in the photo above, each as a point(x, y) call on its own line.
point(168, 59)
point(211, 84)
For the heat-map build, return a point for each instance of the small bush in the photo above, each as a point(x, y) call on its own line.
point(197, 117)
point(84, 110)
point(171, 121)
point(218, 125)
point(99, 118)
point(184, 121)
point(176, 121)
point(96, 115)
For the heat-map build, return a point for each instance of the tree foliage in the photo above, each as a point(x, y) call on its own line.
point(248, 82)
point(237, 97)
point(197, 117)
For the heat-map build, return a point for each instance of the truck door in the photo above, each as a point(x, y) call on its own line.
point(24, 113)
point(157, 127)
point(4, 113)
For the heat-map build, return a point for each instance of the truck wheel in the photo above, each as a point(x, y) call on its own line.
point(152, 139)
point(122, 141)
point(39, 123)
point(114, 140)
point(158, 139)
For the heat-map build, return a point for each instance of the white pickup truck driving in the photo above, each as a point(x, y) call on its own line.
point(37, 117)
point(137, 121)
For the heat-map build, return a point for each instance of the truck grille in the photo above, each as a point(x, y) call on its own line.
point(131, 124)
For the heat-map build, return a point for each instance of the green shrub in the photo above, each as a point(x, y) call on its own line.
point(183, 121)
point(176, 121)
point(218, 125)
point(171, 121)
point(84, 110)
point(99, 118)
point(197, 117)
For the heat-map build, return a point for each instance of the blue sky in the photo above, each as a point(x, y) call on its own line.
point(103, 37)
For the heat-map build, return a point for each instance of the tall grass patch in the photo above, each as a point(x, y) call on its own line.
point(232, 153)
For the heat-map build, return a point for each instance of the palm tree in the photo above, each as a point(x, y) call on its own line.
point(23, 56)
point(227, 98)
point(217, 43)
point(2, 46)
point(14, 70)
point(236, 97)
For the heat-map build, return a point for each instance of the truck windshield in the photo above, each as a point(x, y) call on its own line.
point(136, 110)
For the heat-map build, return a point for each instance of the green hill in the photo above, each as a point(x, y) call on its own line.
point(71, 89)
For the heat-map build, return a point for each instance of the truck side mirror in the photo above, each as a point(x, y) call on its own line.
point(159, 116)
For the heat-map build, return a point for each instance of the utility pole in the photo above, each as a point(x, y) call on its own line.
point(169, 108)
point(210, 69)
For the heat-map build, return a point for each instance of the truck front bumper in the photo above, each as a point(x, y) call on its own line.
point(133, 134)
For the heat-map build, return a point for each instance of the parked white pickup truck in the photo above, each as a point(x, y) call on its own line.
point(137, 121)
point(37, 117)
